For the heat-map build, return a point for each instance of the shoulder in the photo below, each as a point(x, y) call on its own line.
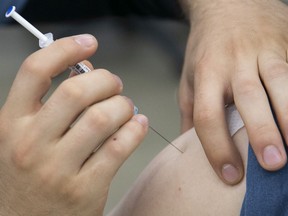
point(184, 184)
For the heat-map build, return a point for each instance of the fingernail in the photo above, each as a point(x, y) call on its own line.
point(230, 173)
point(85, 40)
point(143, 120)
point(271, 155)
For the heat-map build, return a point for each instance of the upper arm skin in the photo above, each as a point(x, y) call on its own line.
point(184, 184)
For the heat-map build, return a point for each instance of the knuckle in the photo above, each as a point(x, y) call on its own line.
point(30, 64)
point(33, 67)
point(261, 130)
point(274, 71)
point(214, 151)
point(75, 196)
point(136, 129)
point(48, 176)
point(72, 193)
point(218, 155)
point(204, 117)
point(117, 151)
point(203, 66)
point(97, 119)
point(22, 156)
point(111, 78)
point(123, 101)
point(246, 86)
point(263, 135)
point(118, 147)
point(71, 90)
point(24, 149)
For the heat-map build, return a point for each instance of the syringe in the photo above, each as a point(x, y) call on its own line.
point(46, 39)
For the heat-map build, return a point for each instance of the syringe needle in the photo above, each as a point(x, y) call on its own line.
point(165, 139)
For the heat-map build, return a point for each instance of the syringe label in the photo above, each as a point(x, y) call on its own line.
point(80, 68)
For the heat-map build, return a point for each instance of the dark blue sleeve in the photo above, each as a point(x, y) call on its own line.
point(266, 192)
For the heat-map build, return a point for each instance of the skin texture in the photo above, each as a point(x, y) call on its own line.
point(184, 184)
point(48, 162)
point(236, 53)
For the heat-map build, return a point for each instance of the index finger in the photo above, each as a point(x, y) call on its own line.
point(35, 75)
point(212, 130)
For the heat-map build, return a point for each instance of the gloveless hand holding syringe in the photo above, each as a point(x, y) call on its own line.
point(46, 39)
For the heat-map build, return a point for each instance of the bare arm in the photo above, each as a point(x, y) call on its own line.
point(184, 184)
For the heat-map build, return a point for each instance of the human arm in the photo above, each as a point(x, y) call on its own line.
point(184, 184)
point(236, 53)
point(47, 161)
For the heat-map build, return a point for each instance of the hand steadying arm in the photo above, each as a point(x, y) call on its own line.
point(236, 53)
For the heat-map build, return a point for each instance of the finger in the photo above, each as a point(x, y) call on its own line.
point(98, 123)
point(35, 74)
point(186, 104)
point(273, 70)
point(211, 127)
point(72, 97)
point(253, 105)
point(107, 160)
